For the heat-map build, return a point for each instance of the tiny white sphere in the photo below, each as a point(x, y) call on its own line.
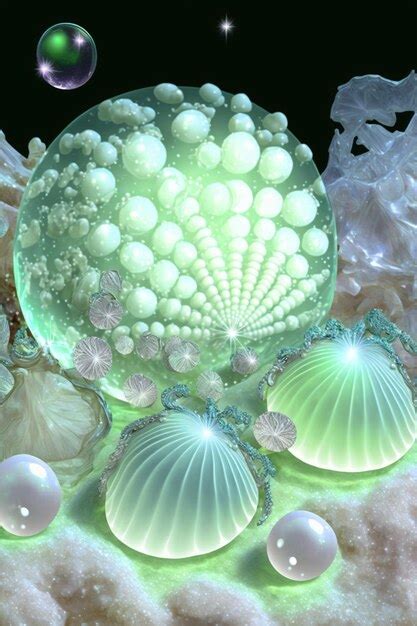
point(242, 196)
point(275, 122)
point(165, 237)
point(185, 288)
point(264, 229)
point(241, 122)
point(286, 241)
point(185, 253)
point(138, 329)
point(237, 226)
point(209, 155)
point(141, 302)
point(275, 164)
point(103, 239)
point(301, 545)
point(315, 242)
point(297, 266)
point(105, 154)
point(263, 137)
point(163, 276)
point(98, 185)
point(240, 153)
point(171, 183)
point(299, 208)
point(157, 329)
point(136, 257)
point(168, 93)
point(268, 202)
point(303, 153)
point(216, 199)
point(210, 93)
point(190, 126)
point(170, 307)
point(279, 139)
point(240, 103)
point(186, 208)
point(138, 215)
point(30, 495)
point(143, 155)
point(120, 331)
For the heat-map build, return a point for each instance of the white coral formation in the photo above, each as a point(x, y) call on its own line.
point(15, 171)
point(374, 197)
point(378, 540)
point(202, 602)
point(70, 580)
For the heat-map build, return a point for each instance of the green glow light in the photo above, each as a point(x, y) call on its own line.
point(352, 404)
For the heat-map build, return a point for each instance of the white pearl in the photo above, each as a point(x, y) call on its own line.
point(143, 155)
point(301, 545)
point(242, 196)
point(30, 495)
point(103, 240)
point(138, 215)
point(275, 164)
point(209, 155)
point(105, 154)
point(98, 185)
point(240, 153)
point(136, 257)
point(190, 126)
point(299, 209)
point(165, 237)
point(141, 302)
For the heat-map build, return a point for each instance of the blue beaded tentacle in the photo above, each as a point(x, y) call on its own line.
point(170, 395)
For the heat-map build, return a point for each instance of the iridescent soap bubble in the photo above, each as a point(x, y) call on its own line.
point(66, 56)
point(220, 237)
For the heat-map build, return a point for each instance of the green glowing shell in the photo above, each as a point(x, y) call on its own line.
point(352, 407)
point(215, 218)
point(180, 489)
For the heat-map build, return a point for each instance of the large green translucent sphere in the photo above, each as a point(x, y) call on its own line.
point(352, 408)
point(180, 490)
point(208, 207)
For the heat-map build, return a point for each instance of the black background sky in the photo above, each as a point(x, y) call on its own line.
point(288, 56)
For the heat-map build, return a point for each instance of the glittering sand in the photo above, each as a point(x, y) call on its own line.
point(371, 581)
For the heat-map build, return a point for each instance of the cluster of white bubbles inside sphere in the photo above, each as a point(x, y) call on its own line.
point(210, 210)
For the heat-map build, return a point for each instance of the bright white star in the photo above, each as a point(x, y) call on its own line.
point(226, 26)
point(45, 68)
point(79, 40)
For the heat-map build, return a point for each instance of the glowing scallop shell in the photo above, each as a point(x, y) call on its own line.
point(350, 399)
point(180, 488)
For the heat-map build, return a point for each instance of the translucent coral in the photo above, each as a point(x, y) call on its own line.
point(374, 197)
point(15, 171)
point(47, 412)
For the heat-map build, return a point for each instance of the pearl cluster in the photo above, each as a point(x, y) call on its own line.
point(209, 210)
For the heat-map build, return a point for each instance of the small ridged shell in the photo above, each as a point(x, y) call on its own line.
point(105, 311)
point(92, 357)
point(209, 385)
point(140, 391)
point(274, 431)
point(178, 492)
point(245, 361)
point(111, 282)
point(148, 346)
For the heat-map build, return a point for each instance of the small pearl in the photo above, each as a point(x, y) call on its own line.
point(30, 495)
point(301, 545)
